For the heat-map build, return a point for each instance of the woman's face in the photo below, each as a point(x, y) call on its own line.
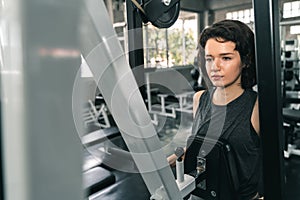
point(223, 63)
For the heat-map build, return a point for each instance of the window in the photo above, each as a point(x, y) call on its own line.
point(246, 16)
point(295, 29)
point(173, 46)
point(291, 9)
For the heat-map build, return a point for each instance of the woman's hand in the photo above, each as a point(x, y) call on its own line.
point(172, 160)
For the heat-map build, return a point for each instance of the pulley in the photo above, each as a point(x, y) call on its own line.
point(161, 13)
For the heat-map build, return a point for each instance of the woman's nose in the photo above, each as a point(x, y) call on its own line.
point(215, 64)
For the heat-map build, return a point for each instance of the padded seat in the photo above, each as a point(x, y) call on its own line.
point(96, 179)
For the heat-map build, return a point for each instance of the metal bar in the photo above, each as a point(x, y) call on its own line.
point(116, 82)
point(1, 158)
point(292, 22)
point(41, 151)
point(269, 88)
point(136, 46)
point(135, 42)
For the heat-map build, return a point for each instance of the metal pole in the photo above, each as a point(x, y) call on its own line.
point(269, 89)
point(148, 63)
point(183, 43)
point(135, 45)
point(41, 149)
point(167, 46)
point(109, 5)
point(135, 42)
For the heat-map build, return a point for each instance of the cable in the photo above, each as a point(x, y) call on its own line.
point(138, 6)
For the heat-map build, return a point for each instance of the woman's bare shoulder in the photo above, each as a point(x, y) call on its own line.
point(198, 94)
point(196, 99)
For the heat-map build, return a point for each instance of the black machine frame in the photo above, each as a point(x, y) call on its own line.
point(270, 98)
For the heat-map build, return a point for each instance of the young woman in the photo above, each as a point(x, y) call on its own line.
point(229, 62)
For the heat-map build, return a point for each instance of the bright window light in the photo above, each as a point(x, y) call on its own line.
point(246, 16)
point(295, 29)
point(291, 9)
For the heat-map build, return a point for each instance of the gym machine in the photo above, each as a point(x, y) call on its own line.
point(41, 152)
point(117, 84)
point(22, 177)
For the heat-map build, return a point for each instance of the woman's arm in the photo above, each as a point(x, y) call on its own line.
point(196, 99)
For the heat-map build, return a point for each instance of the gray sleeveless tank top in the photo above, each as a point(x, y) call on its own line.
point(233, 122)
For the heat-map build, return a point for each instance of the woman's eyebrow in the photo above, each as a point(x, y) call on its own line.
point(226, 54)
point(221, 54)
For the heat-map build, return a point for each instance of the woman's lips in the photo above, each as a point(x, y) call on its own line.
point(216, 77)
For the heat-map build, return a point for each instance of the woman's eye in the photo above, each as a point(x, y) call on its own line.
point(208, 59)
point(226, 58)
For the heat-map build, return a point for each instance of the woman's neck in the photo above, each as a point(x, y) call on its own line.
point(223, 96)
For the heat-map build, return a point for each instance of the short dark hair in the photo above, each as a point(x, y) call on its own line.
point(243, 37)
